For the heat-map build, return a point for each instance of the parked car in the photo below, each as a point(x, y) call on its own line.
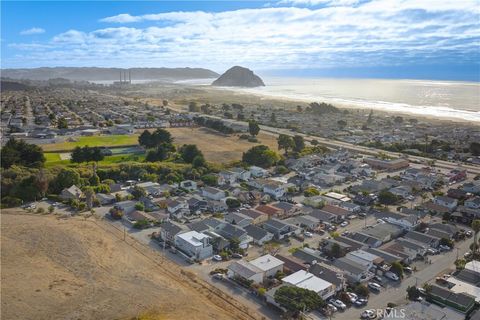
point(408, 269)
point(444, 247)
point(332, 307)
point(344, 224)
point(378, 279)
point(392, 276)
point(432, 251)
point(338, 303)
point(360, 302)
point(380, 221)
point(362, 214)
point(353, 297)
point(467, 255)
point(469, 233)
point(374, 286)
point(422, 291)
point(308, 234)
point(368, 314)
point(237, 255)
point(217, 257)
point(218, 276)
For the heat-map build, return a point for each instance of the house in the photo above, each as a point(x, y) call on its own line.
point(384, 231)
point(227, 177)
point(350, 206)
point(72, 193)
point(238, 219)
point(196, 205)
point(386, 256)
point(287, 209)
point(460, 301)
point(341, 213)
point(276, 189)
point(315, 201)
point(457, 175)
point(257, 216)
point(241, 173)
point(259, 235)
point(125, 207)
point(388, 164)
point(213, 193)
point(268, 210)
point(245, 270)
point(369, 240)
point(343, 248)
point(472, 187)
point(188, 185)
point(280, 229)
point(308, 255)
point(447, 202)
point(231, 232)
point(458, 194)
point(177, 206)
point(401, 191)
point(407, 222)
point(354, 272)
point(330, 274)
point(365, 258)
point(216, 206)
point(151, 188)
point(135, 216)
point(168, 231)
point(269, 265)
point(194, 244)
point(306, 222)
point(105, 199)
point(473, 203)
point(258, 172)
point(305, 280)
point(323, 216)
point(291, 264)
point(423, 238)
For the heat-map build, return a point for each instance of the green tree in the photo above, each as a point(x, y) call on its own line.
point(310, 192)
point(158, 154)
point(138, 192)
point(139, 206)
point(260, 156)
point(336, 251)
point(18, 152)
point(397, 268)
point(299, 143)
point(386, 197)
point(209, 179)
point(296, 299)
point(413, 293)
point(233, 203)
point(342, 124)
point(199, 161)
point(188, 152)
point(145, 138)
point(362, 290)
point(253, 128)
point(285, 142)
point(66, 178)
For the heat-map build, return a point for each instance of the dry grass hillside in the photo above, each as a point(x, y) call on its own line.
point(72, 269)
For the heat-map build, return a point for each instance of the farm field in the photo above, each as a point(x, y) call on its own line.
point(94, 141)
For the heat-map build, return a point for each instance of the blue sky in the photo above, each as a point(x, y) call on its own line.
point(428, 39)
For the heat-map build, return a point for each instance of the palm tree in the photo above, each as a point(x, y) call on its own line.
point(476, 229)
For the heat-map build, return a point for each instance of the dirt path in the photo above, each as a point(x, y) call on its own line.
point(74, 269)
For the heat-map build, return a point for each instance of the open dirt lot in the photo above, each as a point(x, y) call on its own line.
point(217, 147)
point(73, 269)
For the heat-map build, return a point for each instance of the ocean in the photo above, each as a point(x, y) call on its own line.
point(437, 99)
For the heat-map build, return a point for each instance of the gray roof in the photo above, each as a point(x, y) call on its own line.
point(230, 231)
point(171, 228)
point(326, 274)
point(198, 226)
point(251, 213)
point(438, 233)
point(307, 255)
point(244, 269)
point(255, 232)
point(383, 230)
point(275, 224)
point(349, 265)
point(387, 256)
point(449, 228)
point(421, 237)
point(322, 215)
point(283, 205)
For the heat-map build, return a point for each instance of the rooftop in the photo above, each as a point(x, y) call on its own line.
point(306, 280)
point(266, 262)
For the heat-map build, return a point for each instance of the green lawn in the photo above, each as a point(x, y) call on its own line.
point(94, 141)
point(53, 159)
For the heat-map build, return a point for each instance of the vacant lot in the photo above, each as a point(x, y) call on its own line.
point(218, 147)
point(74, 269)
point(95, 141)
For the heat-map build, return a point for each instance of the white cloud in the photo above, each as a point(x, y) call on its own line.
point(31, 31)
point(369, 33)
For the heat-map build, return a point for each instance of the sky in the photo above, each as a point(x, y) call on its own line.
point(427, 39)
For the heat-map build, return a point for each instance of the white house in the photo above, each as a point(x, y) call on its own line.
point(245, 270)
point(403, 220)
point(364, 258)
point(174, 206)
point(258, 172)
point(213, 193)
point(268, 264)
point(194, 244)
point(305, 280)
point(73, 192)
point(274, 188)
point(188, 185)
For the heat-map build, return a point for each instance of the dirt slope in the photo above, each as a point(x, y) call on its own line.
point(73, 269)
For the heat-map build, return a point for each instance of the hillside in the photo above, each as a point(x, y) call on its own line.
point(74, 269)
point(111, 74)
point(239, 77)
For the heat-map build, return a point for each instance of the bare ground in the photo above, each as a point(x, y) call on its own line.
point(218, 147)
point(55, 268)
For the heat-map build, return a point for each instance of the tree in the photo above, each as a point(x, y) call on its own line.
point(138, 192)
point(86, 154)
point(18, 152)
point(285, 142)
point(188, 152)
point(398, 120)
point(193, 107)
point(62, 123)
point(310, 192)
point(413, 293)
point(314, 142)
point(233, 203)
point(199, 161)
point(299, 143)
point(475, 148)
point(386, 197)
point(397, 268)
point(145, 138)
point(342, 124)
point(51, 209)
point(362, 290)
point(66, 178)
point(234, 244)
point(260, 156)
point(253, 128)
point(460, 264)
point(139, 206)
point(446, 242)
point(209, 179)
point(159, 137)
point(336, 251)
point(158, 154)
point(370, 117)
point(476, 229)
point(296, 299)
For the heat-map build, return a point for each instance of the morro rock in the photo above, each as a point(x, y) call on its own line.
point(238, 77)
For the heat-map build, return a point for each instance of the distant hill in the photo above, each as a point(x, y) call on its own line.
point(110, 74)
point(239, 77)
point(6, 85)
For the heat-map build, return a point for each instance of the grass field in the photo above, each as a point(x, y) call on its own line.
point(94, 141)
point(53, 159)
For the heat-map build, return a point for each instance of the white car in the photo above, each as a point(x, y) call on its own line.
point(353, 297)
point(332, 307)
point(374, 286)
point(446, 248)
point(392, 276)
point(380, 221)
point(339, 304)
point(368, 314)
point(344, 224)
point(308, 234)
point(217, 257)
